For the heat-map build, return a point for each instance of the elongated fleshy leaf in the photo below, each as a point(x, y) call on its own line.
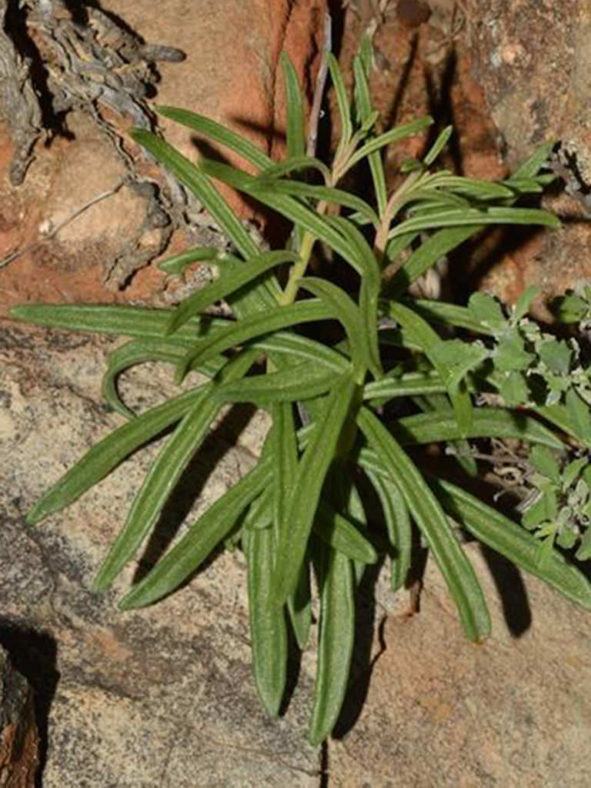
point(432, 345)
point(423, 258)
point(449, 315)
point(397, 518)
point(296, 346)
point(296, 124)
point(312, 470)
point(342, 535)
point(492, 215)
point(346, 311)
point(559, 416)
point(299, 382)
point(187, 555)
point(438, 146)
point(343, 103)
point(254, 326)
point(513, 541)
point(164, 474)
point(218, 133)
point(335, 642)
point(486, 423)
point(268, 629)
point(299, 606)
point(296, 163)
point(194, 179)
point(326, 193)
point(288, 206)
point(407, 385)
point(128, 321)
point(138, 351)
point(429, 517)
point(178, 262)
point(364, 111)
point(110, 451)
point(226, 284)
point(388, 137)
point(482, 190)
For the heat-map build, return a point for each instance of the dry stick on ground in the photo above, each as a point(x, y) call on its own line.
point(29, 248)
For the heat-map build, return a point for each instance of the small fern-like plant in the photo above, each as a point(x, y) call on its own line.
point(345, 406)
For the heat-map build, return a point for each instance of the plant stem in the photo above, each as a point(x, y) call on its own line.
point(298, 269)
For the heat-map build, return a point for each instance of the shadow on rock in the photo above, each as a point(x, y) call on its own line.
point(34, 655)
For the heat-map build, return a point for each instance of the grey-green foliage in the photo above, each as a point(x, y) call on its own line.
point(300, 512)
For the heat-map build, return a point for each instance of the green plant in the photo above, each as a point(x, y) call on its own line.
point(345, 409)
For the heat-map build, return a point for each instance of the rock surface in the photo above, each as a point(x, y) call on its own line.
point(533, 61)
point(18, 732)
point(230, 74)
point(164, 696)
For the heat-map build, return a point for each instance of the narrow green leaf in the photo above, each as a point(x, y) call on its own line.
point(342, 103)
point(394, 248)
point(388, 137)
point(268, 629)
point(346, 311)
point(580, 417)
point(509, 539)
point(312, 470)
point(433, 346)
point(164, 475)
point(449, 315)
point(199, 184)
point(298, 382)
point(297, 346)
point(429, 252)
point(486, 423)
point(128, 321)
point(230, 281)
point(325, 193)
point(254, 326)
point(461, 448)
point(429, 517)
point(408, 385)
point(364, 111)
point(187, 555)
point(139, 351)
point(299, 606)
point(531, 167)
point(287, 206)
point(178, 262)
point(471, 216)
point(560, 417)
point(218, 133)
point(340, 533)
point(369, 291)
point(480, 190)
point(105, 455)
point(294, 164)
point(296, 134)
point(335, 646)
point(398, 525)
point(438, 146)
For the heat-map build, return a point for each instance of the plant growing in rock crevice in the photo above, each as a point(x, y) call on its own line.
point(401, 373)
